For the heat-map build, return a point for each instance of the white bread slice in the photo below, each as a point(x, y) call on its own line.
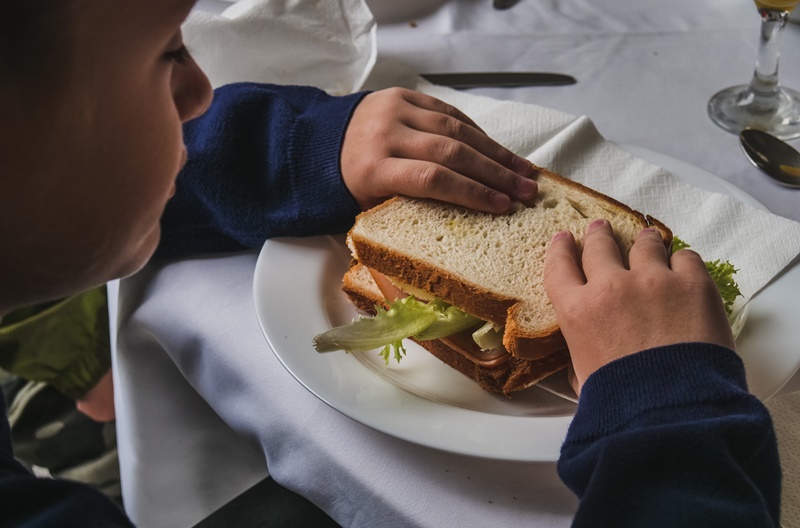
point(490, 266)
point(503, 376)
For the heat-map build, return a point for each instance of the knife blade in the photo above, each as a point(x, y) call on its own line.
point(498, 79)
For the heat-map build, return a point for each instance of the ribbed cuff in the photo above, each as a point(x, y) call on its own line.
point(663, 377)
point(317, 182)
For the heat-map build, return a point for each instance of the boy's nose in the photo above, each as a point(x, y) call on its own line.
point(192, 92)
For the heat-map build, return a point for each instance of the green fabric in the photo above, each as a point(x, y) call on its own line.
point(65, 344)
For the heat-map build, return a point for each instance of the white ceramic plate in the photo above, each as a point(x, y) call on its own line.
point(297, 293)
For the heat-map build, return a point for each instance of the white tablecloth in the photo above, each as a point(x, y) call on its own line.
point(204, 407)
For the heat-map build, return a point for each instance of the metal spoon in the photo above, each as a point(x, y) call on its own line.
point(776, 158)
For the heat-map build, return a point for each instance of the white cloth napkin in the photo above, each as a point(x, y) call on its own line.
point(330, 45)
point(759, 244)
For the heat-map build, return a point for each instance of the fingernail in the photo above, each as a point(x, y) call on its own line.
point(526, 188)
point(559, 236)
point(596, 224)
point(522, 166)
point(499, 202)
point(649, 231)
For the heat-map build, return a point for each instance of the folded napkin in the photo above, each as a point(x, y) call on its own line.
point(330, 45)
point(758, 243)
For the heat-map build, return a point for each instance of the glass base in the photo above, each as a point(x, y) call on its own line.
point(738, 107)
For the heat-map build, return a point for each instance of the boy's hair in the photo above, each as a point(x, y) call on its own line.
point(35, 40)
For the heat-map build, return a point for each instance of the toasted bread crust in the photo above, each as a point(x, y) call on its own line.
point(471, 298)
point(506, 377)
point(527, 372)
point(647, 220)
point(542, 173)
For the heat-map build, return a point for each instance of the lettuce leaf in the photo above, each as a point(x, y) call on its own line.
point(406, 317)
point(488, 336)
point(721, 272)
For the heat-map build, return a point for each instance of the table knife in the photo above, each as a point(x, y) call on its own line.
point(498, 79)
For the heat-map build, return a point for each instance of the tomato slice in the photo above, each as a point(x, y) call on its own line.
point(387, 288)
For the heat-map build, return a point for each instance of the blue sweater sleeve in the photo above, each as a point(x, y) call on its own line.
point(671, 437)
point(262, 162)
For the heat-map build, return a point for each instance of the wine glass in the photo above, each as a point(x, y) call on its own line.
point(762, 104)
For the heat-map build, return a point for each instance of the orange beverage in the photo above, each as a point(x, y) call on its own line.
point(780, 5)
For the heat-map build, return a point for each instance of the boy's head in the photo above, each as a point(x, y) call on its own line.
point(92, 97)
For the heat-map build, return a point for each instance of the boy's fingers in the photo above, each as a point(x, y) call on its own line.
point(648, 250)
point(462, 158)
point(433, 104)
point(423, 179)
point(561, 268)
point(437, 117)
point(687, 261)
point(447, 126)
point(600, 249)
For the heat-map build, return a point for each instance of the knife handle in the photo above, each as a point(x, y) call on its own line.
point(503, 4)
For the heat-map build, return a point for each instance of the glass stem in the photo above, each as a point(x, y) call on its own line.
point(765, 78)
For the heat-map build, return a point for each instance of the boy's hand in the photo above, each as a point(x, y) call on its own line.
point(405, 142)
point(607, 311)
point(98, 402)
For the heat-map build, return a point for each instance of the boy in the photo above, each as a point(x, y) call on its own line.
point(92, 98)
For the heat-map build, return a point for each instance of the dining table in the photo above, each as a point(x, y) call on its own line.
point(206, 405)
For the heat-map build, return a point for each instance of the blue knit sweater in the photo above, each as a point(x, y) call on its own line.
point(670, 437)
point(666, 437)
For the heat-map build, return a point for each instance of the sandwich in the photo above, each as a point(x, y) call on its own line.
point(467, 286)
